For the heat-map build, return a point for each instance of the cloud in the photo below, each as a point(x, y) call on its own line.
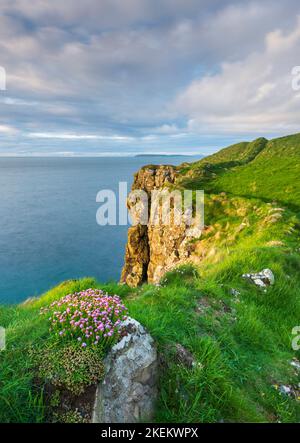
point(67, 136)
point(6, 130)
point(17, 102)
point(250, 95)
point(112, 71)
point(166, 129)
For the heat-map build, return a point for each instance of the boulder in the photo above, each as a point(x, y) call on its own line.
point(262, 279)
point(129, 389)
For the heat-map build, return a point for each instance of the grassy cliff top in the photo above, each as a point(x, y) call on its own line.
point(268, 170)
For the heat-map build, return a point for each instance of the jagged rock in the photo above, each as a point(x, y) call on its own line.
point(128, 391)
point(136, 256)
point(286, 390)
point(154, 249)
point(292, 391)
point(262, 279)
point(295, 363)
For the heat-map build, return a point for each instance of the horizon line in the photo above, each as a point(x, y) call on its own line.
point(101, 155)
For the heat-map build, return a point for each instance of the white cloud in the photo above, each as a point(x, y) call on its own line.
point(69, 136)
point(251, 95)
point(8, 130)
point(18, 102)
point(82, 70)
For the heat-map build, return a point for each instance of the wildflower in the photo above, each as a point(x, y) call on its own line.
point(90, 315)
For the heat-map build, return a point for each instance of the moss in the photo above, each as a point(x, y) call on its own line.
point(70, 417)
point(69, 367)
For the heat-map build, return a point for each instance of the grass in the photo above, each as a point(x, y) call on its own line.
point(20, 401)
point(241, 344)
point(268, 170)
point(237, 361)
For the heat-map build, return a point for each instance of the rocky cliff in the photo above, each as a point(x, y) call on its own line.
point(153, 249)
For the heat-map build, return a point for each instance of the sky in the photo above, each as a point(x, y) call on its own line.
point(119, 77)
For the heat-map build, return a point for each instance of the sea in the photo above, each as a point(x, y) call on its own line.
point(48, 227)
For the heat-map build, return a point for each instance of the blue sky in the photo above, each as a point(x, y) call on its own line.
point(145, 76)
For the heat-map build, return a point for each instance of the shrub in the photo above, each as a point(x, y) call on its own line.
point(91, 317)
point(70, 367)
point(70, 417)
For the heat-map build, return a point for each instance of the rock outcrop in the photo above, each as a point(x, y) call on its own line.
point(262, 279)
point(129, 389)
point(153, 249)
point(138, 249)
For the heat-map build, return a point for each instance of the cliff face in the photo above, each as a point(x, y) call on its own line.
point(154, 249)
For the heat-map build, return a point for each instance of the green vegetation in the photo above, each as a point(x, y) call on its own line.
point(69, 367)
point(240, 340)
point(263, 169)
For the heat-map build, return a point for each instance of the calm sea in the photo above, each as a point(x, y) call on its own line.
point(48, 229)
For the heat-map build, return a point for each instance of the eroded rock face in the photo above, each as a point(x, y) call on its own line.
point(136, 256)
point(154, 249)
point(129, 389)
point(153, 177)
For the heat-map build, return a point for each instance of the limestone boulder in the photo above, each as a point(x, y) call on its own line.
point(129, 389)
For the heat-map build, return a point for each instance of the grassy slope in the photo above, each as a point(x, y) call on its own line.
point(265, 170)
point(242, 346)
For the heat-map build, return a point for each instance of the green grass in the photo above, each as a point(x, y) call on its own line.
point(25, 330)
point(268, 170)
point(237, 362)
point(241, 345)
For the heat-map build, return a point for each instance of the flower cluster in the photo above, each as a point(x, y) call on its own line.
point(92, 317)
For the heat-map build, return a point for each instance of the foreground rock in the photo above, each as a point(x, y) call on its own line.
point(262, 279)
point(291, 391)
point(128, 391)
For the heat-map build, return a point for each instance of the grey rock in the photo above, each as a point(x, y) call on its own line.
point(295, 363)
point(262, 279)
point(285, 389)
point(129, 389)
